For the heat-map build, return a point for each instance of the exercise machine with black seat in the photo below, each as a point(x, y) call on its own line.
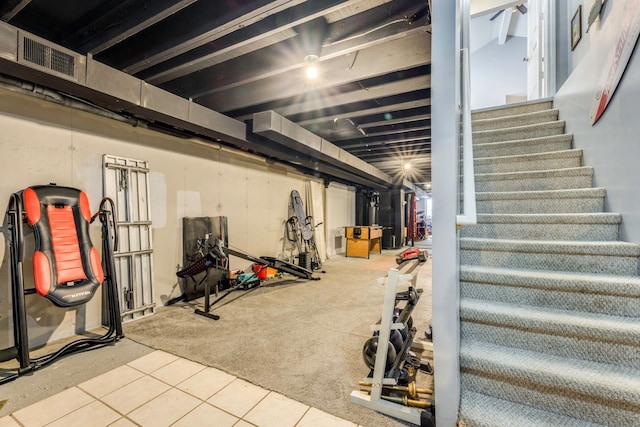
point(216, 258)
point(67, 268)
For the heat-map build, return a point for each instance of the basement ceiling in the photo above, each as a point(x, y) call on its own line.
point(371, 97)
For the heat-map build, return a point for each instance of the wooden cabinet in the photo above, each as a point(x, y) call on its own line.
point(363, 240)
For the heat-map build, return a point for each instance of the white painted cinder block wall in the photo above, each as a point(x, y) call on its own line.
point(42, 142)
point(340, 205)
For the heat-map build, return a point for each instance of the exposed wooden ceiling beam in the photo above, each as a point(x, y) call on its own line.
point(348, 14)
point(393, 131)
point(418, 161)
point(395, 121)
point(420, 145)
point(380, 142)
point(369, 112)
point(262, 25)
point(112, 25)
point(316, 101)
point(218, 56)
point(408, 52)
point(278, 61)
point(11, 8)
point(217, 32)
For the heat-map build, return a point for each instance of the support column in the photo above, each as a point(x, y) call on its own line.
point(445, 140)
point(392, 218)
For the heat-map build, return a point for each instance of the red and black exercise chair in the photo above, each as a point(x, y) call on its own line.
point(67, 268)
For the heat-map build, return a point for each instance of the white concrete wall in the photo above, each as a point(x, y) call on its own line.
point(42, 142)
point(612, 145)
point(336, 217)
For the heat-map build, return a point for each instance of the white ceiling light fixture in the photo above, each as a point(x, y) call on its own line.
point(311, 69)
point(312, 35)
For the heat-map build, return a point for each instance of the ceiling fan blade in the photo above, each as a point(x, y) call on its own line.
point(496, 15)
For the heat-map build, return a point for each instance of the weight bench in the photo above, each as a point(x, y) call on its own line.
point(67, 268)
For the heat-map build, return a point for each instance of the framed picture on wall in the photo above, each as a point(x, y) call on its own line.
point(576, 27)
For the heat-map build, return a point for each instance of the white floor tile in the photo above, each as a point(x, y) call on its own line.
point(206, 415)
point(177, 371)
point(149, 400)
point(317, 418)
point(123, 422)
point(110, 381)
point(152, 361)
point(238, 397)
point(53, 407)
point(7, 421)
point(95, 414)
point(165, 409)
point(206, 383)
point(276, 410)
point(135, 394)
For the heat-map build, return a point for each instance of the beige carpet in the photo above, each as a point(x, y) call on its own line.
point(300, 338)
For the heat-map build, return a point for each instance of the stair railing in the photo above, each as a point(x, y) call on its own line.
point(468, 215)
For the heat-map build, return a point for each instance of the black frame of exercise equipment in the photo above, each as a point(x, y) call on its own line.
point(217, 258)
point(14, 219)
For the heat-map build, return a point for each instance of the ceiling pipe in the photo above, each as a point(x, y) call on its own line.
point(46, 94)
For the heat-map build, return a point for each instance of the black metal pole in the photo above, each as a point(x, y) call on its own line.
point(21, 336)
point(109, 265)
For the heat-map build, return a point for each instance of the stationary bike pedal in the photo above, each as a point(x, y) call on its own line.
point(426, 368)
point(413, 361)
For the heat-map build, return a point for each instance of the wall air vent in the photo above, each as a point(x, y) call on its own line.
point(43, 54)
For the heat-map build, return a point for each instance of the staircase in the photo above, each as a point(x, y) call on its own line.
point(550, 298)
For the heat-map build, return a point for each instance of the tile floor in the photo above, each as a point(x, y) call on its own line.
point(161, 389)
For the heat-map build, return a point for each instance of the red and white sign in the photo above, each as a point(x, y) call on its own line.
point(617, 61)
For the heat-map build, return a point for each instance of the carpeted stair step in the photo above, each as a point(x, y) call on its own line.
point(480, 410)
point(544, 116)
point(554, 179)
point(575, 226)
point(580, 200)
point(543, 144)
point(519, 132)
point(550, 300)
point(583, 335)
point(529, 162)
point(620, 258)
point(591, 391)
point(595, 293)
point(512, 109)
